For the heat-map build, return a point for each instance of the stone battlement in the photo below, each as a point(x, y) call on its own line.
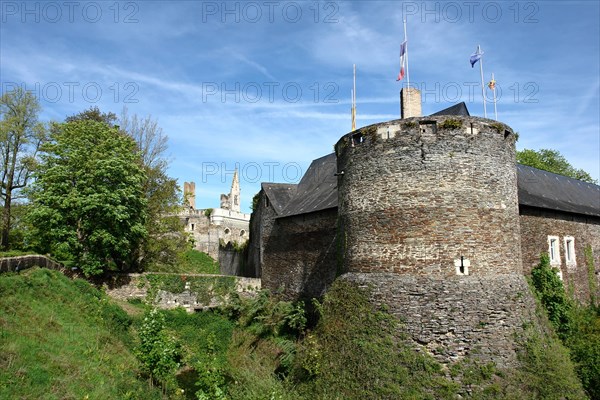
point(430, 196)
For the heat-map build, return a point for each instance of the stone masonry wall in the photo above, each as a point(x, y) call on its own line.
point(20, 263)
point(418, 194)
point(453, 318)
point(137, 286)
point(300, 254)
point(209, 234)
point(538, 224)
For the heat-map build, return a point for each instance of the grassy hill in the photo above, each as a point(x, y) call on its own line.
point(63, 339)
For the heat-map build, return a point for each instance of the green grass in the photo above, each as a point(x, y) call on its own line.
point(190, 262)
point(15, 253)
point(63, 339)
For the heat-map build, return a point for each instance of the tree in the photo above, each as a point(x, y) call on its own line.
point(20, 138)
point(88, 203)
point(552, 161)
point(158, 352)
point(94, 114)
point(166, 238)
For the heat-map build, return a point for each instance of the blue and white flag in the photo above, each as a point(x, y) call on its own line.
point(476, 56)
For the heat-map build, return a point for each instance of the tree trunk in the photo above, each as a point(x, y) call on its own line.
point(6, 220)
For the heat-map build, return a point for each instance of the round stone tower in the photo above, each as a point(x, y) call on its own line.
point(428, 219)
point(429, 196)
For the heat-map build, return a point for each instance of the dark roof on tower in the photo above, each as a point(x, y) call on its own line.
point(544, 189)
point(279, 194)
point(457, 109)
point(536, 188)
point(317, 189)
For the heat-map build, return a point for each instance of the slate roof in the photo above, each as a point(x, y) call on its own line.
point(279, 194)
point(544, 189)
point(457, 109)
point(317, 189)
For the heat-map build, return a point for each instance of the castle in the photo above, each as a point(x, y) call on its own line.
point(216, 231)
point(435, 216)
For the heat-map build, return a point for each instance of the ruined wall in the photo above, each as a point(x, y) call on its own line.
point(205, 235)
point(194, 291)
point(538, 224)
point(457, 317)
point(20, 263)
point(232, 261)
point(220, 226)
point(300, 254)
point(418, 194)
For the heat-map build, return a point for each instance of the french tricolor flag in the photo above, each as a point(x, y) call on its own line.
point(402, 61)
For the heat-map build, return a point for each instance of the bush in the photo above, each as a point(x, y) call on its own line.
point(355, 353)
point(551, 293)
point(451, 124)
point(159, 354)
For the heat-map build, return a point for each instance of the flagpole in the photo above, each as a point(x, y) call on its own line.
point(353, 97)
point(406, 40)
point(482, 84)
point(494, 90)
point(407, 74)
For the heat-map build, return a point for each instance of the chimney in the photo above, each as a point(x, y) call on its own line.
point(410, 103)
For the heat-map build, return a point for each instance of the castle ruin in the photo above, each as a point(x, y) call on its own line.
point(218, 231)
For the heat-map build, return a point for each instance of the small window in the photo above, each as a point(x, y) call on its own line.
point(192, 226)
point(227, 231)
point(570, 250)
point(462, 265)
point(553, 250)
point(242, 232)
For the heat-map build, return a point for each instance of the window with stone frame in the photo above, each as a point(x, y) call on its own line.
point(553, 250)
point(570, 250)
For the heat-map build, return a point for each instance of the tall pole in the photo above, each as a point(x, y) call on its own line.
point(406, 40)
point(494, 91)
point(407, 74)
point(482, 84)
point(354, 97)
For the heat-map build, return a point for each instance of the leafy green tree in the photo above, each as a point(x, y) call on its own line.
point(584, 345)
point(552, 161)
point(21, 135)
point(88, 203)
point(94, 114)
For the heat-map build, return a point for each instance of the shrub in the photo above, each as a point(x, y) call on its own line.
point(355, 353)
point(159, 354)
point(451, 124)
point(551, 293)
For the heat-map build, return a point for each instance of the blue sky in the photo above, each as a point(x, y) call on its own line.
point(265, 85)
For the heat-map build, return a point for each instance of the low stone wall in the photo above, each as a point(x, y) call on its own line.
point(468, 316)
point(20, 263)
point(190, 291)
